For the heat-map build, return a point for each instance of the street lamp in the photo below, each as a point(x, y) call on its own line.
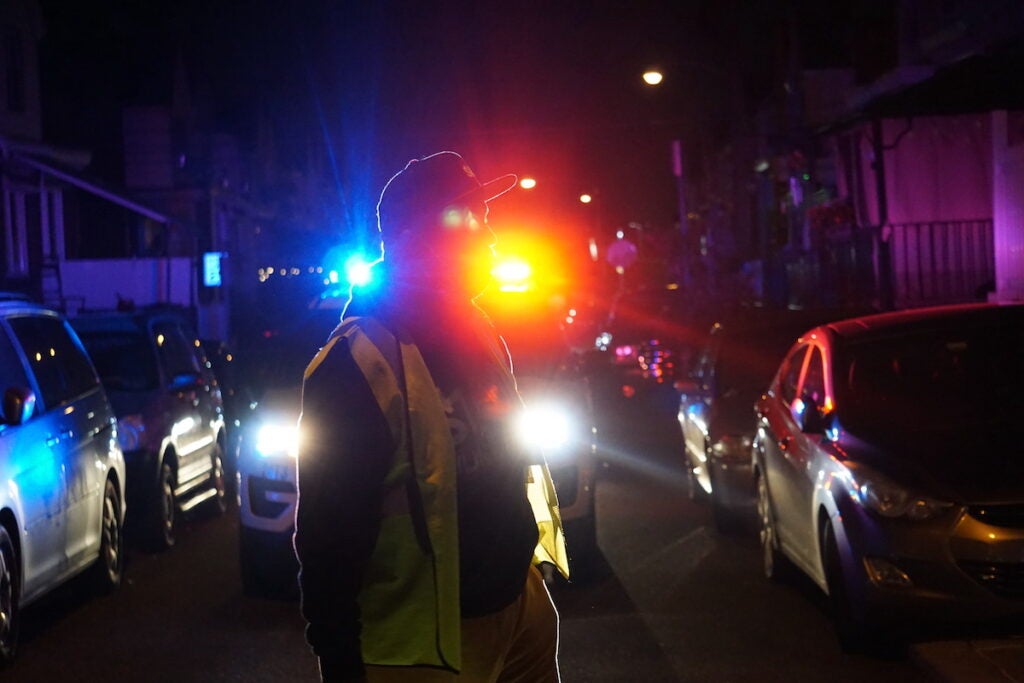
point(528, 183)
point(586, 198)
point(653, 77)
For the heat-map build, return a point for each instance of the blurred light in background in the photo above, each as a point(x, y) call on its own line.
point(528, 183)
point(653, 77)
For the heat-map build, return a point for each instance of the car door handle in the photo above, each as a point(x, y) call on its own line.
point(52, 440)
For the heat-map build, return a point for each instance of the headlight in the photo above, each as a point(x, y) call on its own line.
point(548, 427)
point(277, 439)
point(887, 498)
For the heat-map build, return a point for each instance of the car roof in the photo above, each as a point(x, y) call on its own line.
point(956, 314)
point(135, 319)
point(16, 306)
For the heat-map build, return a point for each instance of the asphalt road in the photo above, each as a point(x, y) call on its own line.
point(672, 601)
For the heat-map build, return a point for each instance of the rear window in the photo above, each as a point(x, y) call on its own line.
point(124, 360)
point(62, 368)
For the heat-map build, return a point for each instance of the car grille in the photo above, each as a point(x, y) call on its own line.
point(1005, 579)
point(258, 489)
point(1006, 516)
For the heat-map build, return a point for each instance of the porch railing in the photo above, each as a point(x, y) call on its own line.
point(939, 262)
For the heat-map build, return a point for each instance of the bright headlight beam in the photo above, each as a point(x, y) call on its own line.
point(548, 428)
point(277, 439)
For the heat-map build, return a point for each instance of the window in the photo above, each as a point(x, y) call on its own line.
point(177, 350)
point(814, 379)
point(791, 368)
point(62, 368)
point(12, 372)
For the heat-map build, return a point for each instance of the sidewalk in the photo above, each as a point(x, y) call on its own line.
point(973, 661)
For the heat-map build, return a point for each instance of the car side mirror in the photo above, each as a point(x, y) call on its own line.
point(19, 404)
point(813, 419)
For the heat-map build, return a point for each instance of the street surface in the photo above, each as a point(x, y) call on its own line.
point(673, 601)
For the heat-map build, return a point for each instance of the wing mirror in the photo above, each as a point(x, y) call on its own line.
point(812, 419)
point(18, 406)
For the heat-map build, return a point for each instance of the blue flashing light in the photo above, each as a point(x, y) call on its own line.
point(358, 272)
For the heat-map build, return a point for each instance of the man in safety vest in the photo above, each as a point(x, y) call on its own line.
point(421, 519)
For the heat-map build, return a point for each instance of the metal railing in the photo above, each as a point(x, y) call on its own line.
point(937, 262)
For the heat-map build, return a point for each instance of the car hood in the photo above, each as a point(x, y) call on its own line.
point(965, 464)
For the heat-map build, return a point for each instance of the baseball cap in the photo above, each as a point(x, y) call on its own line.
point(417, 194)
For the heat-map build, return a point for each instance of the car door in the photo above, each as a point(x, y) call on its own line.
point(74, 408)
point(783, 476)
point(183, 376)
point(802, 457)
point(32, 467)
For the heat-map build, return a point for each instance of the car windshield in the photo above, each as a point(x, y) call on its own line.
point(748, 359)
point(278, 357)
point(124, 360)
point(932, 376)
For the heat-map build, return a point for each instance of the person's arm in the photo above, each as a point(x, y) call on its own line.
point(344, 456)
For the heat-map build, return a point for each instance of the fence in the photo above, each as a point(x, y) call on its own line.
point(939, 262)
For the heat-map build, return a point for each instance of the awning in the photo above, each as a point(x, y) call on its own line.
point(92, 187)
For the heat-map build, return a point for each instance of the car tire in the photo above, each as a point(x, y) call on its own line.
point(775, 564)
point(10, 590)
point(855, 637)
point(163, 513)
point(218, 481)
point(108, 570)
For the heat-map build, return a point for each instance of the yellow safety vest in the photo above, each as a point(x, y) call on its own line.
point(409, 602)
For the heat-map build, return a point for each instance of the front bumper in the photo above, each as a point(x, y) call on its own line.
point(267, 493)
point(946, 571)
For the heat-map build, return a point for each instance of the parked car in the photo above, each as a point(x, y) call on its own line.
point(267, 495)
point(559, 421)
point(169, 410)
point(889, 467)
point(237, 399)
point(62, 473)
point(716, 405)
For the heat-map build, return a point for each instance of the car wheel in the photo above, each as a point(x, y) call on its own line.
point(218, 480)
point(109, 567)
point(10, 588)
point(854, 636)
point(776, 565)
point(163, 510)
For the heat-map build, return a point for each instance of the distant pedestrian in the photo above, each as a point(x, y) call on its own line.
point(421, 520)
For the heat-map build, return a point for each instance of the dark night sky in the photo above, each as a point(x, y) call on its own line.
point(540, 88)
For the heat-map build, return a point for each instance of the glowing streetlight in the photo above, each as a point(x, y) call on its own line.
point(653, 77)
point(586, 198)
point(528, 183)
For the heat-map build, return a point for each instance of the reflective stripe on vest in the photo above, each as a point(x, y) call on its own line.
point(410, 599)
